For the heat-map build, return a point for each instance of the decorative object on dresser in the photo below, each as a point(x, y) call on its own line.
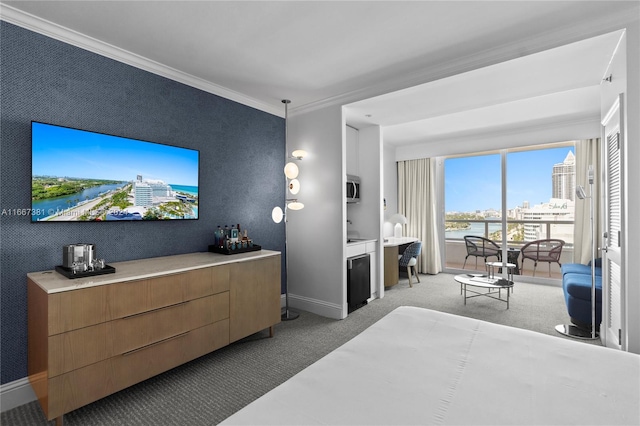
point(79, 260)
point(99, 335)
point(277, 214)
point(232, 241)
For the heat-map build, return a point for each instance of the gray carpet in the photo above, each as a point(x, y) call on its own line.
point(211, 388)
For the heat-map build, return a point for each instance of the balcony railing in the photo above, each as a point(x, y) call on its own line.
point(519, 232)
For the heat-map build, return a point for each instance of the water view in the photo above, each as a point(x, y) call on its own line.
point(51, 206)
point(474, 229)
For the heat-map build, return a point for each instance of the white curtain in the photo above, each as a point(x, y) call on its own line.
point(587, 153)
point(417, 202)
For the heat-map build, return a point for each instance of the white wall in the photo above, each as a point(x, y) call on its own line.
point(315, 240)
point(389, 186)
point(368, 213)
point(632, 193)
point(626, 78)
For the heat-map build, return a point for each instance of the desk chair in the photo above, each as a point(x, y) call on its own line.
point(409, 260)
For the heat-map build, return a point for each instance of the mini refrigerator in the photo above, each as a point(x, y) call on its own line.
point(358, 281)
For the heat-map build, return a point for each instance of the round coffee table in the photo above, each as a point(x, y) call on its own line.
point(492, 286)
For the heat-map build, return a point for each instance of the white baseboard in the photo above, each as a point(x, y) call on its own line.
point(319, 307)
point(15, 394)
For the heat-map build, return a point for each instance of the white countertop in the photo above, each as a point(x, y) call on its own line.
point(54, 282)
point(398, 241)
point(361, 241)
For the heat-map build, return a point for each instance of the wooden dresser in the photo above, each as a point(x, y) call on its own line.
point(91, 337)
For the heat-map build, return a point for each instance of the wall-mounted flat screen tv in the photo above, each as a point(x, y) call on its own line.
point(77, 175)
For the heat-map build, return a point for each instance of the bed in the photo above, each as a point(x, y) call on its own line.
point(418, 366)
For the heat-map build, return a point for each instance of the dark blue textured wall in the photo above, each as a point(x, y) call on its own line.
point(242, 154)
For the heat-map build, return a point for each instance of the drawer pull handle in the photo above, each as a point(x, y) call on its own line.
point(155, 310)
point(155, 343)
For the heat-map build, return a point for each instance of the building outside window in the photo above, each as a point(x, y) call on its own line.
point(540, 197)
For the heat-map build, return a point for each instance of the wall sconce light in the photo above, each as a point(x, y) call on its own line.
point(291, 170)
point(294, 186)
point(295, 205)
point(299, 154)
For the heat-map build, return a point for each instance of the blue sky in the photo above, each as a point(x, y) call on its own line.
point(60, 151)
point(473, 183)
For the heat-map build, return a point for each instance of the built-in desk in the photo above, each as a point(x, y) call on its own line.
point(393, 247)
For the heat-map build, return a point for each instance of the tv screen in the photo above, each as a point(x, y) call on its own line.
point(77, 175)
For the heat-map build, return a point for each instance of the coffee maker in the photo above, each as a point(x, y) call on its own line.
point(81, 257)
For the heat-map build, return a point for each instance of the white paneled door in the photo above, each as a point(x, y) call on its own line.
point(613, 286)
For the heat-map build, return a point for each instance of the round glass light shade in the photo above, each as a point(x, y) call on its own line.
point(398, 218)
point(299, 153)
point(295, 206)
point(277, 214)
point(294, 186)
point(291, 170)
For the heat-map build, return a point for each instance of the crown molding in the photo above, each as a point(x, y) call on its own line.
point(581, 30)
point(47, 28)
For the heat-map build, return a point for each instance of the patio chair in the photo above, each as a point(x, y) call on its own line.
point(480, 247)
point(548, 250)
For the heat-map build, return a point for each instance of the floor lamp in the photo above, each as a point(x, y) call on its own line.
point(571, 330)
point(277, 214)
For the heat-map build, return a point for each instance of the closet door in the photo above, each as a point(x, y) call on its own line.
point(613, 286)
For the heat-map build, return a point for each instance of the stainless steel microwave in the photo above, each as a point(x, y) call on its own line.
point(353, 189)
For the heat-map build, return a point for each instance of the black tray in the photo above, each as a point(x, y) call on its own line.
point(68, 272)
point(221, 250)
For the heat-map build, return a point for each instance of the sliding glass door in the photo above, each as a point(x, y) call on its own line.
point(539, 191)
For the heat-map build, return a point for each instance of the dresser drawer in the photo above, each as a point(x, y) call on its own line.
point(134, 297)
point(206, 281)
point(78, 348)
point(79, 387)
point(75, 309)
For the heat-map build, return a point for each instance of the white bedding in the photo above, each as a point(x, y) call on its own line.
point(417, 366)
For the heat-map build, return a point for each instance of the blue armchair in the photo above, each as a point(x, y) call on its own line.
point(576, 284)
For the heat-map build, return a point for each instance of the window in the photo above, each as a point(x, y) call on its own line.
point(540, 198)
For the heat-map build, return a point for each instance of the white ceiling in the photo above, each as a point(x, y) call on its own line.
point(318, 53)
point(553, 86)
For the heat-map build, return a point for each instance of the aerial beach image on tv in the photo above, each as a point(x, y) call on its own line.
point(78, 175)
